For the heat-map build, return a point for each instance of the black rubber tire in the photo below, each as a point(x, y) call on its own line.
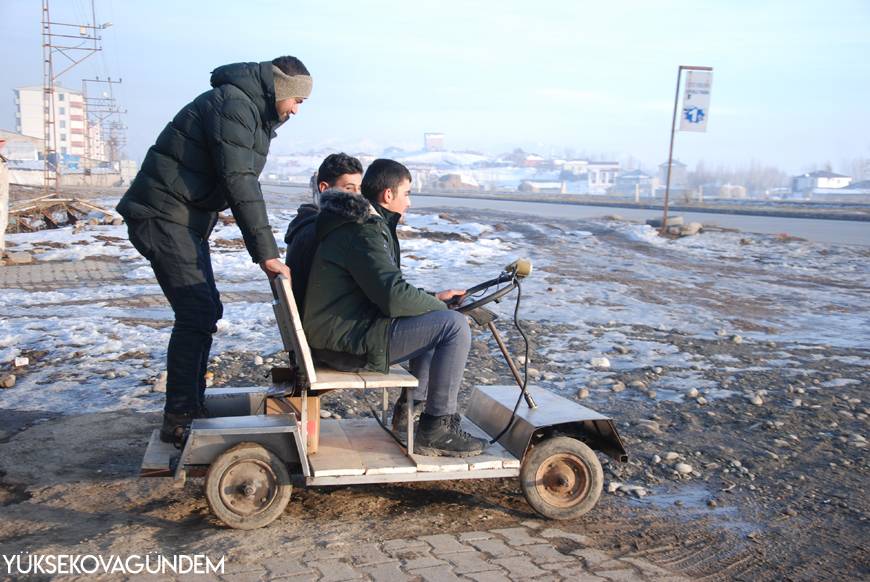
point(561, 478)
point(270, 479)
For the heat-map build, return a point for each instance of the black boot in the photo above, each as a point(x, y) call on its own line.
point(441, 436)
point(175, 426)
point(400, 414)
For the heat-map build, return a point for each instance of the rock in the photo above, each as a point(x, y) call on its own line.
point(325, 414)
point(658, 370)
point(7, 381)
point(19, 258)
point(583, 393)
point(671, 456)
point(534, 373)
point(692, 393)
point(117, 221)
point(691, 229)
point(701, 400)
point(110, 376)
point(601, 362)
point(797, 402)
point(651, 393)
point(258, 360)
point(160, 382)
point(737, 339)
point(672, 221)
point(638, 384)
point(93, 221)
point(711, 503)
point(635, 490)
point(756, 400)
point(620, 349)
point(618, 387)
point(649, 426)
point(721, 333)
point(656, 459)
point(789, 512)
point(683, 468)
point(21, 361)
point(613, 486)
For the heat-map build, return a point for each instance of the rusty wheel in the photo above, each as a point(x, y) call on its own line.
point(248, 486)
point(561, 478)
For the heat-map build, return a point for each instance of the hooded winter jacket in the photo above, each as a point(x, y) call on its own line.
point(301, 244)
point(209, 158)
point(356, 287)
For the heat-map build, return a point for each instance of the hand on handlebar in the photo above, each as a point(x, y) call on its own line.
point(451, 296)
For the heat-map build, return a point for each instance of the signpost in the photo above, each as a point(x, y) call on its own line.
point(695, 111)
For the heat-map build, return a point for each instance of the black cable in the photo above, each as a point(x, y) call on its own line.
point(525, 364)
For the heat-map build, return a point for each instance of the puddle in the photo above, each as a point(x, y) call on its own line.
point(693, 503)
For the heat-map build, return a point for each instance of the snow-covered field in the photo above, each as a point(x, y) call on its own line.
point(96, 348)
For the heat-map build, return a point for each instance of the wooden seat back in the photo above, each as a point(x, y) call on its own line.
point(290, 326)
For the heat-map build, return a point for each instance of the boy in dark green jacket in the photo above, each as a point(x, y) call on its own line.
point(361, 314)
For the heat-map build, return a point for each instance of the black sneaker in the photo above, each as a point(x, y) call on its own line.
point(400, 414)
point(441, 436)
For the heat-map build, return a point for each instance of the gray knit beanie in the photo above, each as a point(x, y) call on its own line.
point(291, 86)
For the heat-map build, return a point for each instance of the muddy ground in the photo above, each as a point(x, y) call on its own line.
point(776, 486)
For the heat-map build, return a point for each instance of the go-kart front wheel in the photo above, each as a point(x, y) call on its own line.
point(561, 478)
point(248, 486)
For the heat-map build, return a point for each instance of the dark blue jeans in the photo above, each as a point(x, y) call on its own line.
point(182, 264)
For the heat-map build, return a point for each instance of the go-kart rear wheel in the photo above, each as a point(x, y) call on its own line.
point(248, 486)
point(561, 478)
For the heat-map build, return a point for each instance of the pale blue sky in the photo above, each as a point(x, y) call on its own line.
point(791, 82)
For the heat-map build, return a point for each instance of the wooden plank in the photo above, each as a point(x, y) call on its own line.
point(336, 456)
point(333, 379)
point(398, 377)
point(155, 463)
point(380, 454)
point(440, 464)
point(495, 456)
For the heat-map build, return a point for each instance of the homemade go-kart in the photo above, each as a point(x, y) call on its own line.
point(260, 441)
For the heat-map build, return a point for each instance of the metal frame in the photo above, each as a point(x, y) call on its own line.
point(491, 408)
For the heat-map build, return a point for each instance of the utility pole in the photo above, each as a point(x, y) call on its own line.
point(75, 43)
point(99, 113)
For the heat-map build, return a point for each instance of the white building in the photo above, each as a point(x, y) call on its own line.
point(433, 142)
point(820, 179)
point(74, 136)
point(601, 176)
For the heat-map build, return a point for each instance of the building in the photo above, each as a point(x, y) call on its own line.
point(19, 147)
point(542, 187)
point(457, 182)
point(634, 183)
point(679, 175)
point(576, 167)
point(732, 191)
point(74, 136)
point(821, 179)
point(433, 142)
point(601, 176)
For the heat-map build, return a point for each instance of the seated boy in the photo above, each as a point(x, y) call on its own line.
point(361, 314)
point(338, 172)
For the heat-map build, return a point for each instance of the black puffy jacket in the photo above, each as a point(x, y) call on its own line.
point(209, 158)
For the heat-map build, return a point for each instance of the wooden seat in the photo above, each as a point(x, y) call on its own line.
point(318, 378)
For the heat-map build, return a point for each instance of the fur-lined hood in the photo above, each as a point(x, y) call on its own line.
point(338, 207)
